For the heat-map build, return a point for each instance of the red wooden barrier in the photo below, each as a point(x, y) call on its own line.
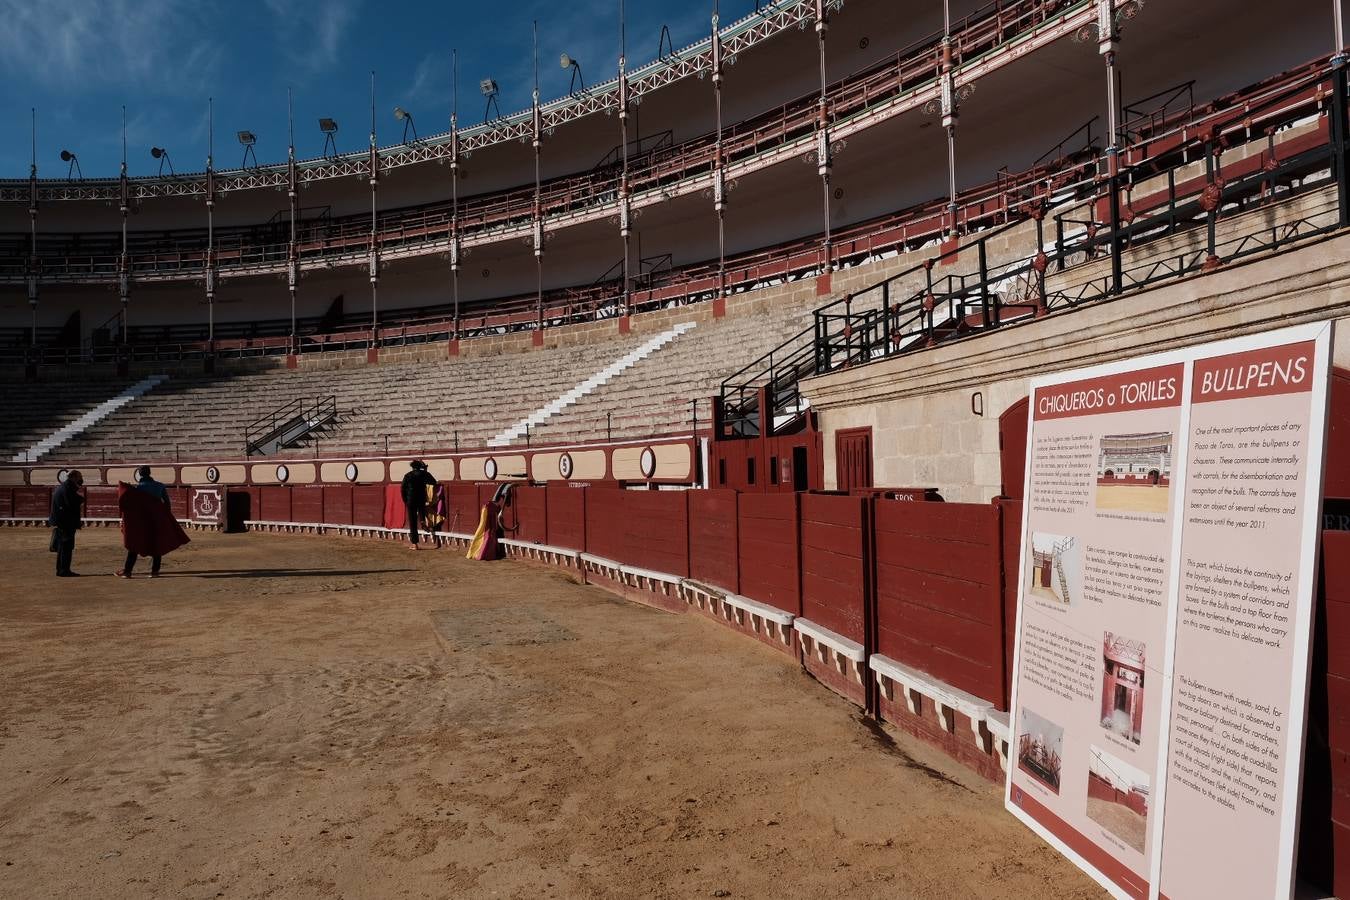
point(32, 502)
point(274, 505)
point(655, 530)
point(529, 515)
point(6, 502)
point(101, 503)
point(940, 592)
point(1011, 528)
point(307, 504)
point(565, 515)
point(712, 539)
point(605, 525)
point(180, 501)
point(337, 504)
point(464, 507)
point(834, 562)
point(368, 505)
point(769, 567)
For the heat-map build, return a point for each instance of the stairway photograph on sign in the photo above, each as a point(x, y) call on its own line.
point(1178, 682)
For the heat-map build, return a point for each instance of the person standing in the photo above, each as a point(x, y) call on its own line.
point(414, 490)
point(150, 530)
point(65, 521)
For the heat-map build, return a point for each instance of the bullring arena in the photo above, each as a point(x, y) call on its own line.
point(723, 414)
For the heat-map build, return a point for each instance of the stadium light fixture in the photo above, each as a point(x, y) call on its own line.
point(329, 128)
point(406, 118)
point(246, 140)
point(569, 62)
point(162, 155)
point(488, 87)
point(68, 157)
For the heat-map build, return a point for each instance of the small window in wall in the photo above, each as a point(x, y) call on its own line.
point(773, 470)
point(750, 470)
point(721, 471)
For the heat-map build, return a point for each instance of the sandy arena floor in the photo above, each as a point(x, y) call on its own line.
point(317, 717)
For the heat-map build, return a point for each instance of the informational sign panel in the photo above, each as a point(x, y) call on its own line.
point(1165, 613)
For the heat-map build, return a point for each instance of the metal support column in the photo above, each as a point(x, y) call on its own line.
point(536, 130)
point(33, 267)
point(292, 249)
point(210, 226)
point(454, 189)
point(374, 262)
point(824, 163)
point(1107, 39)
point(950, 113)
point(719, 171)
point(625, 209)
point(1340, 139)
point(123, 259)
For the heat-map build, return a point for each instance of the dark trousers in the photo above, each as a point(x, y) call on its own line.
point(131, 563)
point(415, 514)
point(65, 550)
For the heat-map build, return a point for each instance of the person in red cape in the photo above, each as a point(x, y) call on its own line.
point(148, 526)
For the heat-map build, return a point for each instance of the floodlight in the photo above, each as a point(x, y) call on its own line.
point(407, 119)
point(328, 126)
point(68, 157)
point(162, 155)
point(489, 88)
point(569, 63)
point(246, 140)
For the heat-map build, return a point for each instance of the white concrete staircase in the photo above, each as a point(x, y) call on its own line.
point(604, 376)
point(72, 428)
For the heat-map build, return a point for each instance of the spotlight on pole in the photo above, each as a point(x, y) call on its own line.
point(246, 140)
point(489, 88)
point(407, 119)
point(162, 155)
point(329, 128)
point(68, 157)
point(568, 62)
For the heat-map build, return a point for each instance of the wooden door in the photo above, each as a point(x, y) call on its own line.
point(853, 458)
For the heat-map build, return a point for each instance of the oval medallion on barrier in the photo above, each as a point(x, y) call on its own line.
point(490, 469)
point(565, 465)
point(283, 474)
point(212, 474)
point(351, 471)
point(647, 462)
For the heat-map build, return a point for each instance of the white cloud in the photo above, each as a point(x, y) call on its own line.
point(162, 45)
point(312, 34)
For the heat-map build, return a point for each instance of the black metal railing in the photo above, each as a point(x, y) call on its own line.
point(289, 424)
point(919, 307)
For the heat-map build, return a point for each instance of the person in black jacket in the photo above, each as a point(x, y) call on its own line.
point(415, 485)
point(65, 521)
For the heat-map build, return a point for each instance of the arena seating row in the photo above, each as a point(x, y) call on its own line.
point(442, 404)
point(35, 411)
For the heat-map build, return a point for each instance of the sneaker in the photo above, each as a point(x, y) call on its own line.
point(121, 573)
point(154, 574)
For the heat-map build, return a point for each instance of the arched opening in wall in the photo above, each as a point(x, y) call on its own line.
point(1109, 474)
point(1154, 476)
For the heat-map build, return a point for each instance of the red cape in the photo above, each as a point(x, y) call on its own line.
point(148, 525)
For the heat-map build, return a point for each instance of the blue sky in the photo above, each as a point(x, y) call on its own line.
point(79, 61)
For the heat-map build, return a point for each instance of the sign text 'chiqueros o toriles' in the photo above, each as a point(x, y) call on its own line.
point(1165, 611)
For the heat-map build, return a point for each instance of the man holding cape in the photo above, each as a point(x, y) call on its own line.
point(148, 526)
